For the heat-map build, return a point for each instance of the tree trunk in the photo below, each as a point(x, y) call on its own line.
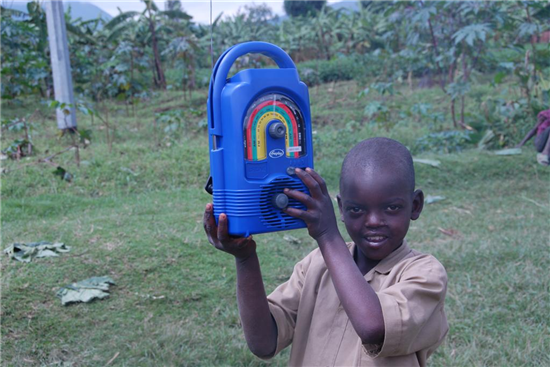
point(158, 65)
point(464, 79)
point(532, 45)
point(453, 114)
point(462, 123)
point(434, 43)
point(132, 96)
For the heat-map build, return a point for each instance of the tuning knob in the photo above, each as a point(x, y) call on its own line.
point(277, 130)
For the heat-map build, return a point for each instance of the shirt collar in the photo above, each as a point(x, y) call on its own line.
point(387, 264)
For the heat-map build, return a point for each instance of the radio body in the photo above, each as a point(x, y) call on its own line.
point(259, 127)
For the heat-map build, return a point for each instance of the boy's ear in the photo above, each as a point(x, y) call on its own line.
point(340, 207)
point(417, 204)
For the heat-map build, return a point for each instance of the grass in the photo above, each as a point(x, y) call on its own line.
point(135, 214)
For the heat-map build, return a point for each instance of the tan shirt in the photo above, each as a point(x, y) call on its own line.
point(411, 287)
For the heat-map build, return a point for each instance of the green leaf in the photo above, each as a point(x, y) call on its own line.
point(85, 136)
point(471, 33)
point(364, 92)
point(528, 29)
point(176, 14)
point(499, 77)
point(507, 65)
point(121, 18)
point(63, 174)
point(25, 252)
point(458, 89)
point(85, 110)
point(86, 290)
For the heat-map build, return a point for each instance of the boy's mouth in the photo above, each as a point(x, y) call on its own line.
point(375, 239)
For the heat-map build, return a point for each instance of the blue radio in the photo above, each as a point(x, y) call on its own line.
point(259, 127)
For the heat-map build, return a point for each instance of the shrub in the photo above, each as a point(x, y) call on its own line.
point(324, 71)
point(497, 56)
point(175, 77)
point(509, 120)
point(443, 142)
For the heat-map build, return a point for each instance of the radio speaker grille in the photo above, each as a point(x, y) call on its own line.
point(272, 217)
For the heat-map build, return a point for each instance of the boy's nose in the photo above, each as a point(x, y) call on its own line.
point(374, 220)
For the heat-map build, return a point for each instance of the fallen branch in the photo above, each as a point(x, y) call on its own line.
point(534, 202)
point(46, 160)
point(169, 108)
point(56, 154)
point(112, 359)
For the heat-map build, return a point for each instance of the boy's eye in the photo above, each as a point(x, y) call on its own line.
point(393, 208)
point(354, 209)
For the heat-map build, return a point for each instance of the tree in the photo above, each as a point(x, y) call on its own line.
point(152, 17)
point(296, 36)
point(454, 35)
point(24, 56)
point(253, 23)
point(173, 5)
point(151, 9)
point(184, 48)
point(324, 24)
point(302, 8)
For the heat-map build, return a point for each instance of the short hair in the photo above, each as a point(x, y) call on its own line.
point(379, 153)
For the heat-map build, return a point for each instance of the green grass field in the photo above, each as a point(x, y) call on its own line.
point(135, 214)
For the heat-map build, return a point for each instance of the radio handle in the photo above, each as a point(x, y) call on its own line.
point(223, 65)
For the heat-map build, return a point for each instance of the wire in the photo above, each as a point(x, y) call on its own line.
point(211, 39)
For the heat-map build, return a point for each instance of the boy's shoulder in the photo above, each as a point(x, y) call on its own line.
point(406, 263)
point(403, 260)
point(425, 261)
point(412, 270)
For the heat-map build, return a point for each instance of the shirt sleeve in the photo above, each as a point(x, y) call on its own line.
point(414, 318)
point(284, 302)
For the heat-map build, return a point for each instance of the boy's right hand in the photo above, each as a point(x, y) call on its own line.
point(218, 235)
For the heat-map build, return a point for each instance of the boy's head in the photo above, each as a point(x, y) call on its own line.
point(377, 198)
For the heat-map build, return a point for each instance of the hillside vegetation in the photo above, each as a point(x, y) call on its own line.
point(134, 212)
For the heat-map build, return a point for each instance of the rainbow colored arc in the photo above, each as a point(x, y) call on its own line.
point(267, 109)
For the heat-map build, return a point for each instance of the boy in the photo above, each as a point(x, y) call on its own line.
point(374, 302)
point(542, 139)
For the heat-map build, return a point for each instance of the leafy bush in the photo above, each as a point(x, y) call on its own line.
point(178, 121)
point(18, 148)
point(202, 77)
point(324, 71)
point(513, 54)
point(175, 77)
point(424, 113)
point(443, 142)
point(309, 76)
point(509, 120)
point(377, 111)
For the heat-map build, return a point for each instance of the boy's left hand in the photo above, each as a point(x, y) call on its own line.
point(319, 217)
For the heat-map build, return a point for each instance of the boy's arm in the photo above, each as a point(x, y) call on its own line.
point(356, 295)
point(259, 327)
point(528, 136)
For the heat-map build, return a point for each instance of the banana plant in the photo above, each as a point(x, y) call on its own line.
point(153, 19)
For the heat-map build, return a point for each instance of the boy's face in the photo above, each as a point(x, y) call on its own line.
point(376, 207)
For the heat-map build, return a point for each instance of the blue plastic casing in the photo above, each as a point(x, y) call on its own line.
point(243, 188)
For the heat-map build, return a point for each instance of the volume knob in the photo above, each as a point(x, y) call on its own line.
point(279, 201)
